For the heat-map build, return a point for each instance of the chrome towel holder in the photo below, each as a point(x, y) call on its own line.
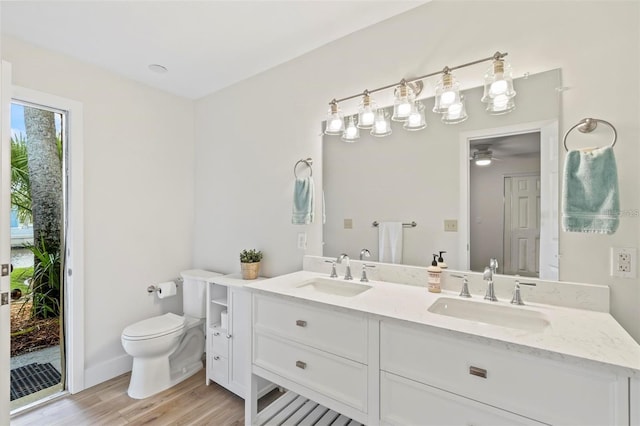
point(413, 224)
point(307, 161)
point(588, 125)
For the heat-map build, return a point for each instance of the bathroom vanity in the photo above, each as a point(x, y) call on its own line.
point(393, 354)
point(228, 330)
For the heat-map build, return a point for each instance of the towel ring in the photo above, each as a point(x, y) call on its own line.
point(588, 125)
point(308, 162)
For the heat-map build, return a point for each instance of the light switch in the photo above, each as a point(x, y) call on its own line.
point(450, 225)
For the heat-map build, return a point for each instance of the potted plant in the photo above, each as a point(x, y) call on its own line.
point(250, 263)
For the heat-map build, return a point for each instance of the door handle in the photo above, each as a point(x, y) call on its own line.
point(301, 364)
point(477, 371)
point(301, 323)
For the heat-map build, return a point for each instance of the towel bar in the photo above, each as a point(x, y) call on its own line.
point(588, 125)
point(406, 225)
point(308, 162)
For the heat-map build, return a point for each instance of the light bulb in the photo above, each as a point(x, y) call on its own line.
point(335, 124)
point(447, 98)
point(404, 109)
point(483, 162)
point(366, 119)
point(414, 119)
point(498, 87)
point(500, 102)
point(454, 110)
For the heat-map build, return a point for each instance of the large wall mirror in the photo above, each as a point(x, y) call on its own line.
point(430, 177)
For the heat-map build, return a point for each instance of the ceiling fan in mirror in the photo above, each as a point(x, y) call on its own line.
point(483, 156)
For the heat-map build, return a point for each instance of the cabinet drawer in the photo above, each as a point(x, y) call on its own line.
point(218, 343)
point(337, 332)
point(218, 369)
point(336, 377)
point(546, 390)
point(405, 402)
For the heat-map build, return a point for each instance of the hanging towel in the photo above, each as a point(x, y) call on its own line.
point(590, 199)
point(390, 242)
point(303, 201)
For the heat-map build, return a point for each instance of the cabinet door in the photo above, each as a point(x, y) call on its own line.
point(239, 332)
point(406, 402)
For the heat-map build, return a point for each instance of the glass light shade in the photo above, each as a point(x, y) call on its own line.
point(416, 120)
point(402, 103)
point(501, 105)
point(335, 121)
point(366, 113)
point(447, 93)
point(351, 132)
point(482, 158)
point(456, 113)
point(382, 124)
point(498, 81)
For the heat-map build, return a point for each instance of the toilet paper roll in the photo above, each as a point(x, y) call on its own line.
point(167, 289)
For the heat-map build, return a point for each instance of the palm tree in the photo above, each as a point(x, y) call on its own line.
point(20, 186)
point(45, 182)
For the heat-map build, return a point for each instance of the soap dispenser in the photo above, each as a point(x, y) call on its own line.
point(434, 272)
point(441, 262)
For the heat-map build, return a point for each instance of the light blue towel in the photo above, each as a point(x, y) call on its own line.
point(590, 198)
point(303, 203)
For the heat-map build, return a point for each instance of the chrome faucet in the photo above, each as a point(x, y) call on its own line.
point(488, 276)
point(363, 277)
point(347, 271)
point(517, 298)
point(493, 264)
point(464, 292)
point(334, 274)
point(364, 253)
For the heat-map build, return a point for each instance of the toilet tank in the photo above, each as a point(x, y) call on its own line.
point(194, 292)
point(194, 297)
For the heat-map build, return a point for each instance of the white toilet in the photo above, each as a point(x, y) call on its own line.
point(168, 348)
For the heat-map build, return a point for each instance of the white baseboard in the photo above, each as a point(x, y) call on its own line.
point(107, 370)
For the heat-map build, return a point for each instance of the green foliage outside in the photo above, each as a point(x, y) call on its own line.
point(18, 277)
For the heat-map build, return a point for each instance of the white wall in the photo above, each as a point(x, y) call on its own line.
point(138, 194)
point(244, 174)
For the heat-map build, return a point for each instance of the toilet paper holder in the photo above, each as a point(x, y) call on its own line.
point(154, 289)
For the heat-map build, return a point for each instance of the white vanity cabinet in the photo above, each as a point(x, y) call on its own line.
point(427, 378)
point(228, 334)
point(313, 350)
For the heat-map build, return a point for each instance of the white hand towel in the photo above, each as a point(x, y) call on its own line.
point(390, 242)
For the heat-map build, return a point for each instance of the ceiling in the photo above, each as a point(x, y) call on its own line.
point(509, 146)
point(205, 45)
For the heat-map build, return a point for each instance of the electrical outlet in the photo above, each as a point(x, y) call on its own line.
point(623, 262)
point(450, 225)
point(302, 240)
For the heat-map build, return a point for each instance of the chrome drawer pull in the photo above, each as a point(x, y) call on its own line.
point(301, 364)
point(217, 333)
point(217, 358)
point(301, 323)
point(476, 371)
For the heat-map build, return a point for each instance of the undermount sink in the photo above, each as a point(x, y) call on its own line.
point(333, 287)
point(489, 313)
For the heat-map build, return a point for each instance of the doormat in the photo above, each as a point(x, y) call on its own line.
point(31, 378)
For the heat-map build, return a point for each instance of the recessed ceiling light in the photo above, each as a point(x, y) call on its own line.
point(158, 68)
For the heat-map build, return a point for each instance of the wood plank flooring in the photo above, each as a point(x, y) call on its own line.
point(188, 403)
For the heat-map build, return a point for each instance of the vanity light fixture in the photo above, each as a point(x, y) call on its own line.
point(351, 132)
point(498, 88)
point(498, 95)
point(447, 92)
point(382, 124)
point(416, 119)
point(335, 120)
point(366, 112)
point(456, 112)
point(404, 98)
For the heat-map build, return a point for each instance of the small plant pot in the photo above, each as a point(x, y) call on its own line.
point(250, 270)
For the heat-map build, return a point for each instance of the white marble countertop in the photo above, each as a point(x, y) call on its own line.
point(593, 339)
point(232, 280)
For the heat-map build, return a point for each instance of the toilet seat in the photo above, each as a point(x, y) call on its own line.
point(151, 328)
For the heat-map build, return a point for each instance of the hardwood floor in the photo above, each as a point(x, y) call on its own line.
point(188, 403)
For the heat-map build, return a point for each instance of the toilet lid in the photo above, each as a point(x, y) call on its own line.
point(154, 327)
